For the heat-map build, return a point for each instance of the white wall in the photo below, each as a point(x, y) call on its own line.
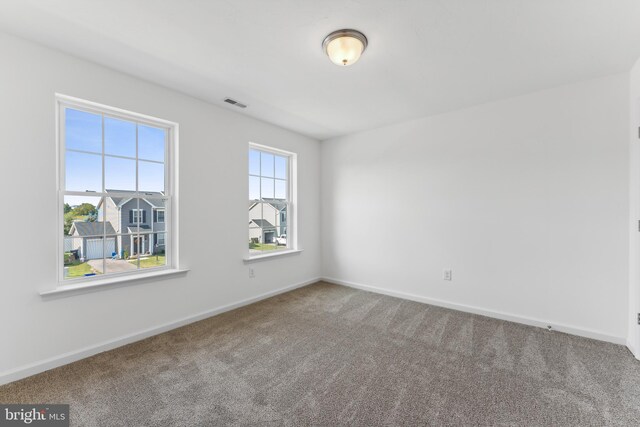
point(526, 200)
point(633, 338)
point(213, 211)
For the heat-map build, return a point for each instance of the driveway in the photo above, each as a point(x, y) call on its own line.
point(113, 265)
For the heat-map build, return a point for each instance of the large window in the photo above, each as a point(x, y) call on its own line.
point(270, 200)
point(115, 172)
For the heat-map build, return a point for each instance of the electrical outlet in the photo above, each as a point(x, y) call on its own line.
point(252, 273)
point(447, 275)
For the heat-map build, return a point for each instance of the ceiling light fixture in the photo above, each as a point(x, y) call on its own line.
point(344, 47)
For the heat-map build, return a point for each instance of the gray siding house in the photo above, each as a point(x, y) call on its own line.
point(130, 216)
point(267, 220)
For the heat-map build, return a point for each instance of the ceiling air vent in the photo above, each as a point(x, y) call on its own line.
point(234, 102)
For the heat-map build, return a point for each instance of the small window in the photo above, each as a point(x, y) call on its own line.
point(137, 216)
point(159, 216)
point(270, 200)
point(115, 169)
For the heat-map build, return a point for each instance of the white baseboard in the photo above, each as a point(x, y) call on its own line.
point(587, 333)
point(633, 350)
point(66, 358)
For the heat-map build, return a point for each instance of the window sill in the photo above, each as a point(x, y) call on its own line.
point(109, 282)
point(271, 255)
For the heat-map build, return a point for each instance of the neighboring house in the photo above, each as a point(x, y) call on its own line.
point(129, 218)
point(87, 239)
point(271, 218)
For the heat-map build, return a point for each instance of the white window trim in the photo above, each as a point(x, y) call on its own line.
point(262, 257)
point(139, 212)
point(292, 199)
point(111, 281)
point(171, 189)
point(158, 216)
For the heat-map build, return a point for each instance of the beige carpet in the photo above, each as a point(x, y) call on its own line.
point(330, 355)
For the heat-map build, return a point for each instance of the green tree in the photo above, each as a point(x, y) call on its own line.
point(85, 209)
point(83, 212)
point(68, 221)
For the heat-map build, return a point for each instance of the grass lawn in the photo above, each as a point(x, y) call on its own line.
point(262, 246)
point(79, 269)
point(151, 261)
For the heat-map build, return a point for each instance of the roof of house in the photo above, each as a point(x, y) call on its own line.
point(142, 228)
point(154, 202)
point(279, 204)
point(95, 228)
point(262, 223)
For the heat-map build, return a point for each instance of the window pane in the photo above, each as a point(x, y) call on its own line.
point(158, 217)
point(269, 239)
point(76, 267)
point(119, 137)
point(119, 264)
point(120, 174)
point(281, 239)
point(266, 188)
point(130, 215)
point(151, 143)
point(281, 167)
point(83, 172)
point(155, 256)
point(282, 221)
point(267, 165)
point(281, 243)
point(108, 212)
point(86, 211)
point(83, 131)
point(118, 255)
point(150, 177)
point(128, 247)
point(137, 246)
point(255, 234)
point(254, 188)
point(254, 162)
point(255, 213)
point(160, 242)
point(103, 254)
point(261, 239)
point(269, 215)
point(281, 189)
point(145, 244)
point(136, 216)
point(83, 226)
point(156, 213)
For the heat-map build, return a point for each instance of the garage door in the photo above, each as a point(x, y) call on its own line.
point(94, 248)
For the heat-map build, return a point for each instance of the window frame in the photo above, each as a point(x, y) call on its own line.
point(291, 201)
point(140, 216)
point(157, 216)
point(62, 102)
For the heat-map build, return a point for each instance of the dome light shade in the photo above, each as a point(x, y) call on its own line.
point(344, 47)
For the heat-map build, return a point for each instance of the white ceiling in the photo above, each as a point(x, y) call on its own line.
point(425, 56)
